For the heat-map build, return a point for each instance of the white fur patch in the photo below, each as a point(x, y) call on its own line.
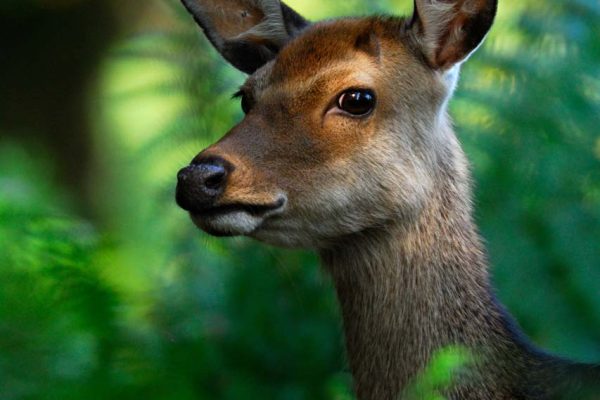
point(233, 223)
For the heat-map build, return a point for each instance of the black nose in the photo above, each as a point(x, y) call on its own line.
point(200, 184)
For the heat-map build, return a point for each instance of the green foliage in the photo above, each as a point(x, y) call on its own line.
point(529, 116)
point(440, 375)
point(56, 314)
point(139, 304)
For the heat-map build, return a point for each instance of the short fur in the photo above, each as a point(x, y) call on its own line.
point(384, 199)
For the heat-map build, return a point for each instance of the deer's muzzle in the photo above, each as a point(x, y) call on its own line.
point(200, 184)
point(201, 191)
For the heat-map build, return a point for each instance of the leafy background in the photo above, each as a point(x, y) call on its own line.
point(108, 291)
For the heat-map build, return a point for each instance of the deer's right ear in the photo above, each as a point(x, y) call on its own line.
point(448, 31)
point(247, 33)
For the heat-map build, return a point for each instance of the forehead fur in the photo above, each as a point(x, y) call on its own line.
point(325, 43)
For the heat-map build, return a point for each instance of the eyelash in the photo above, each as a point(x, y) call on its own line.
point(246, 101)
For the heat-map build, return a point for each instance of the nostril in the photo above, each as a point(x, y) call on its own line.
point(215, 181)
point(212, 176)
point(200, 184)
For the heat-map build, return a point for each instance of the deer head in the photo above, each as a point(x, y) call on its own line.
point(345, 126)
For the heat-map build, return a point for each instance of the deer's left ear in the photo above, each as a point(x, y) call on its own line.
point(448, 31)
point(247, 33)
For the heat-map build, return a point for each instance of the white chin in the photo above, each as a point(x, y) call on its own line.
point(233, 223)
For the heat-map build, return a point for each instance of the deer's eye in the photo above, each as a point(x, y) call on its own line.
point(246, 103)
point(357, 102)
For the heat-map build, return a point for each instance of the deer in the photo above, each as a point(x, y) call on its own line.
point(346, 148)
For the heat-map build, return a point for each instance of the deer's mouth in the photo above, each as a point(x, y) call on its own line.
point(237, 218)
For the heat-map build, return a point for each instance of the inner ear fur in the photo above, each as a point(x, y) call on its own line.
point(247, 33)
point(448, 31)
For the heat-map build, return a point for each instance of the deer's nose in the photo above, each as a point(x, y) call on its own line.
point(200, 184)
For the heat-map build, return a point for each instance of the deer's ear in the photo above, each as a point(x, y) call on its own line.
point(448, 31)
point(247, 33)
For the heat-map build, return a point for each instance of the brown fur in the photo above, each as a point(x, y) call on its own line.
point(408, 290)
point(384, 199)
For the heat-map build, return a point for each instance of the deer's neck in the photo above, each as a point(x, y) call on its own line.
point(411, 289)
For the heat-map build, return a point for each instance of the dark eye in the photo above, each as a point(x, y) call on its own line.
point(358, 102)
point(246, 104)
